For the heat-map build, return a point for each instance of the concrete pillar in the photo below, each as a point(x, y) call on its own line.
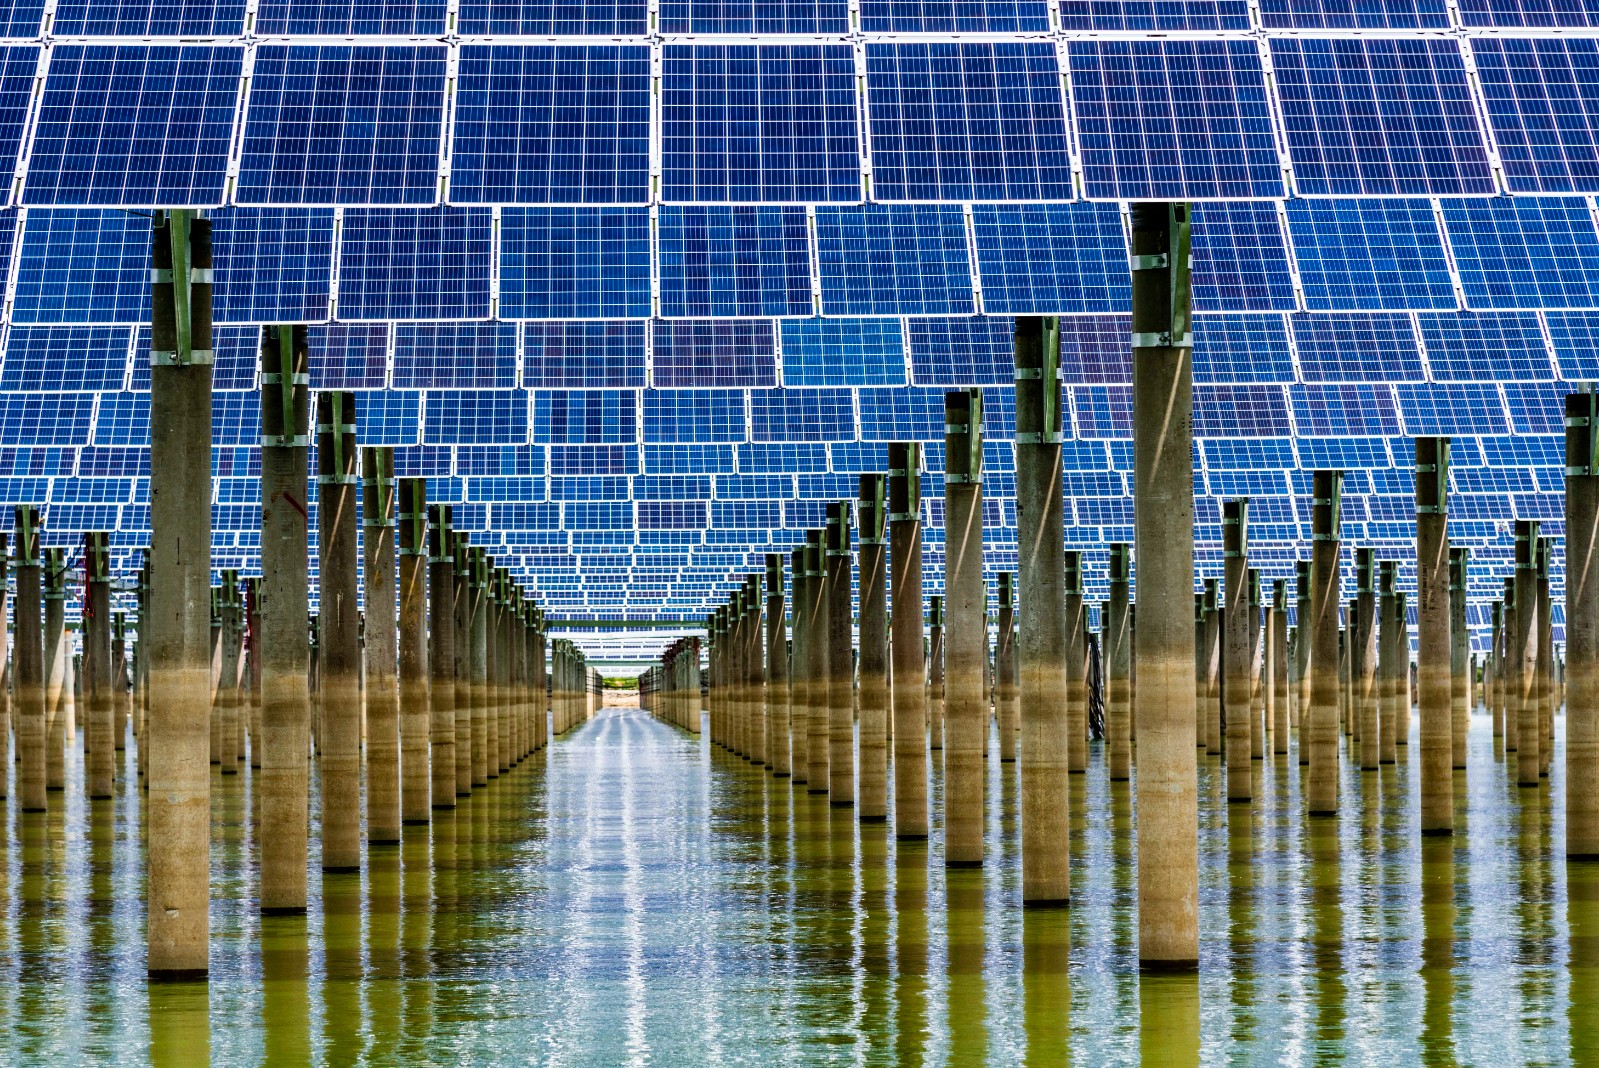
point(1076, 620)
point(7, 707)
point(102, 755)
point(966, 643)
point(340, 640)
point(1213, 669)
point(1524, 654)
point(28, 662)
point(1435, 625)
point(1235, 647)
point(1370, 667)
point(1395, 663)
point(177, 928)
point(840, 657)
point(799, 666)
point(1322, 799)
point(500, 662)
point(1201, 672)
point(1582, 626)
point(755, 669)
point(1302, 651)
point(872, 802)
point(1005, 699)
point(226, 704)
point(935, 673)
point(1546, 659)
point(416, 794)
point(905, 639)
point(1168, 822)
point(777, 715)
point(478, 665)
point(1257, 708)
point(58, 669)
point(252, 648)
point(816, 656)
point(466, 725)
point(381, 647)
point(1118, 658)
point(1459, 657)
point(119, 675)
point(215, 726)
point(443, 752)
point(284, 603)
point(1281, 654)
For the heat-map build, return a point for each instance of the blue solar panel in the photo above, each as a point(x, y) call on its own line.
point(235, 419)
point(1173, 119)
point(235, 353)
point(1576, 344)
point(1093, 350)
point(551, 124)
point(954, 16)
point(1485, 348)
point(686, 459)
point(1240, 411)
point(272, 265)
point(714, 353)
point(703, 416)
point(756, 16)
point(1356, 348)
point(784, 458)
point(349, 357)
point(1043, 259)
point(1103, 411)
point(581, 355)
point(431, 462)
point(83, 267)
point(967, 121)
point(1534, 407)
point(18, 65)
point(734, 261)
point(763, 515)
point(1450, 408)
point(844, 352)
point(475, 417)
point(754, 487)
point(132, 125)
point(145, 18)
point(20, 19)
point(564, 18)
point(1240, 261)
point(890, 259)
point(959, 352)
point(65, 359)
point(1355, 14)
point(590, 488)
point(909, 414)
point(1239, 349)
point(574, 263)
point(1543, 104)
point(342, 18)
point(429, 264)
point(1530, 13)
point(585, 417)
point(455, 356)
point(1353, 410)
point(340, 124)
point(1245, 454)
point(1525, 252)
point(802, 415)
point(1161, 15)
point(508, 460)
point(1379, 117)
point(1370, 255)
point(598, 515)
point(767, 123)
point(671, 487)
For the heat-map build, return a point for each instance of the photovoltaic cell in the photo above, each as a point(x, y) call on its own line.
point(732, 261)
point(1093, 349)
point(1576, 341)
point(1379, 117)
point(475, 417)
point(551, 124)
point(146, 18)
point(1051, 259)
point(388, 417)
point(1429, 408)
point(1173, 119)
point(574, 263)
point(425, 265)
point(756, 16)
point(759, 123)
point(1354, 14)
point(1529, 13)
point(65, 359)
point(343, 18)
point(909, 414)
point(845, 352)
point(714, 353)
point(1240, 411)
point(954, 16)
point(1343, 411)
point(86, 266)
point(687, 417)
point(21, 19)
point(455, 356)
point(802, 415)
point(583, 355)
point(1525, 252)
point(1356, 348)
point(341, 124)
point(1543, 104)
point(892, 259)
point(1240, 262)
point(554, 18)
point(1534, 407)
point(349, 357)
point(1103, 411)
point(967, 121)
point(958, 352)
point(1370, 255)
point(133, 125)
point(1487, 347)
point(271, 265)
point(585, 417)
point(1239, 349)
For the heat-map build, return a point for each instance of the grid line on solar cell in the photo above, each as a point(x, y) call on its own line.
point(1238, 349)
point(65, 359)
point(960, 352)
point(1370, 255)
point(1517, 253)
point(1542, 98)
point(83, 266)
point(574, 263)
point(591, 355)
point(1359, 347)
point(134, 125)
point(343, 18)
point(558, 18)
point(1355, 14)
point(733, 261)
point(455, 356)
point(955, 16)
point(1485, 347)
point(755, 16)
point(342, 124)
point(585, 417)
point(1450, 408)
point(759, 124)
point(473, 417)
point(844, 352)
point(1173, 119)
point(714, 353)
point(1042, 259)
point(894, 259)
point(967, 121)
point(1146, 15)
point(1379, 117)
point(1240, 260)
point(420, 265)
point(271, 265)
point(701, 416)
point(551, 124)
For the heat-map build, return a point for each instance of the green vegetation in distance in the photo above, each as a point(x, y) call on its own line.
point(625, 682)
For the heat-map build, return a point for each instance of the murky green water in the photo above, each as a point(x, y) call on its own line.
point(632, 896)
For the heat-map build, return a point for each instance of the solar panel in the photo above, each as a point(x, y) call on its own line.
point(455, 356)
point(342, 18)
point(756, 16)
point(714, 353)
point(20, 19)
point(126, 125)
point(959, 352)
point(1450, 408)
point(574, 263)
point(1576, 344)
point(388, 417)
point(1524, 252)
point(967, 121)
point(759, 123)
point(802, 415)
point(909, 414)
point(894, 259)
point(342, 124)
point(703, 416)
point(475, 417)
point(83, 266)
point(590, 488)
point(551, 124)
point(1042, 259)
point(608, 18)
point(1240, 411)
point(1529, 13)
point(1354, 14)
point(845, 352)
point(585, 417)
point(349, 357)
point(1364, 347)
point(1346, 410)
point(686, 459)
point(1235, 349)
point(271, 264)
point(235, 356)
point(65, 359)
point(1485, 347)
point(1240, 261)
point(1379, 117)
point(1248, 454)
point(782, 458)
point(1542, 97)
point(598, 515)
point(1173, 120)
point(505, 460)
point(144, 18)
point(733, 261)
point(1159, 15)
point(424, 265)
point(1534, 407)
point(954, 16)
point(1367, 255)
point(581, 355)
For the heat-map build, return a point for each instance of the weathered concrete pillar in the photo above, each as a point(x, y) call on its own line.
point(119, 675)
point(541, 684)
point(466, 726)
point(284, 603)
point(226, 705)
point(1394, 656)
point(1326, 508)
point(1118, 658)
point(872, 802)
point(1582, 626)
point(755, 670)
point(416, 794)
point(1459, 657)
point(777, 714)
point(218, 651)
point(1524, 654)
point(1213, 669)
point(1281, 657)
point(799, 666)
point(910, 671)
point(252, 650)
point(966, 643)
point(1371, 669)
point(1302, 651)
point(443, 752)
point(58, 669)
point(177, 928)
point(340, 644)
point(1005, 703)
point(381, 647)
point(1235, 646)
point(935, 673)
point(482, 718)
point(102, 755)
point(1163, 498)
point(500, 662)
point(840, 657)
point(816, 655)
point(1546, 659)
point(1257, 706)
point(1435, 624)
point(28, 661)
point(1201, 672)
point(1076, 619)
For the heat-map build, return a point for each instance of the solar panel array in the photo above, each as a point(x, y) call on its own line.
point(641, 287)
